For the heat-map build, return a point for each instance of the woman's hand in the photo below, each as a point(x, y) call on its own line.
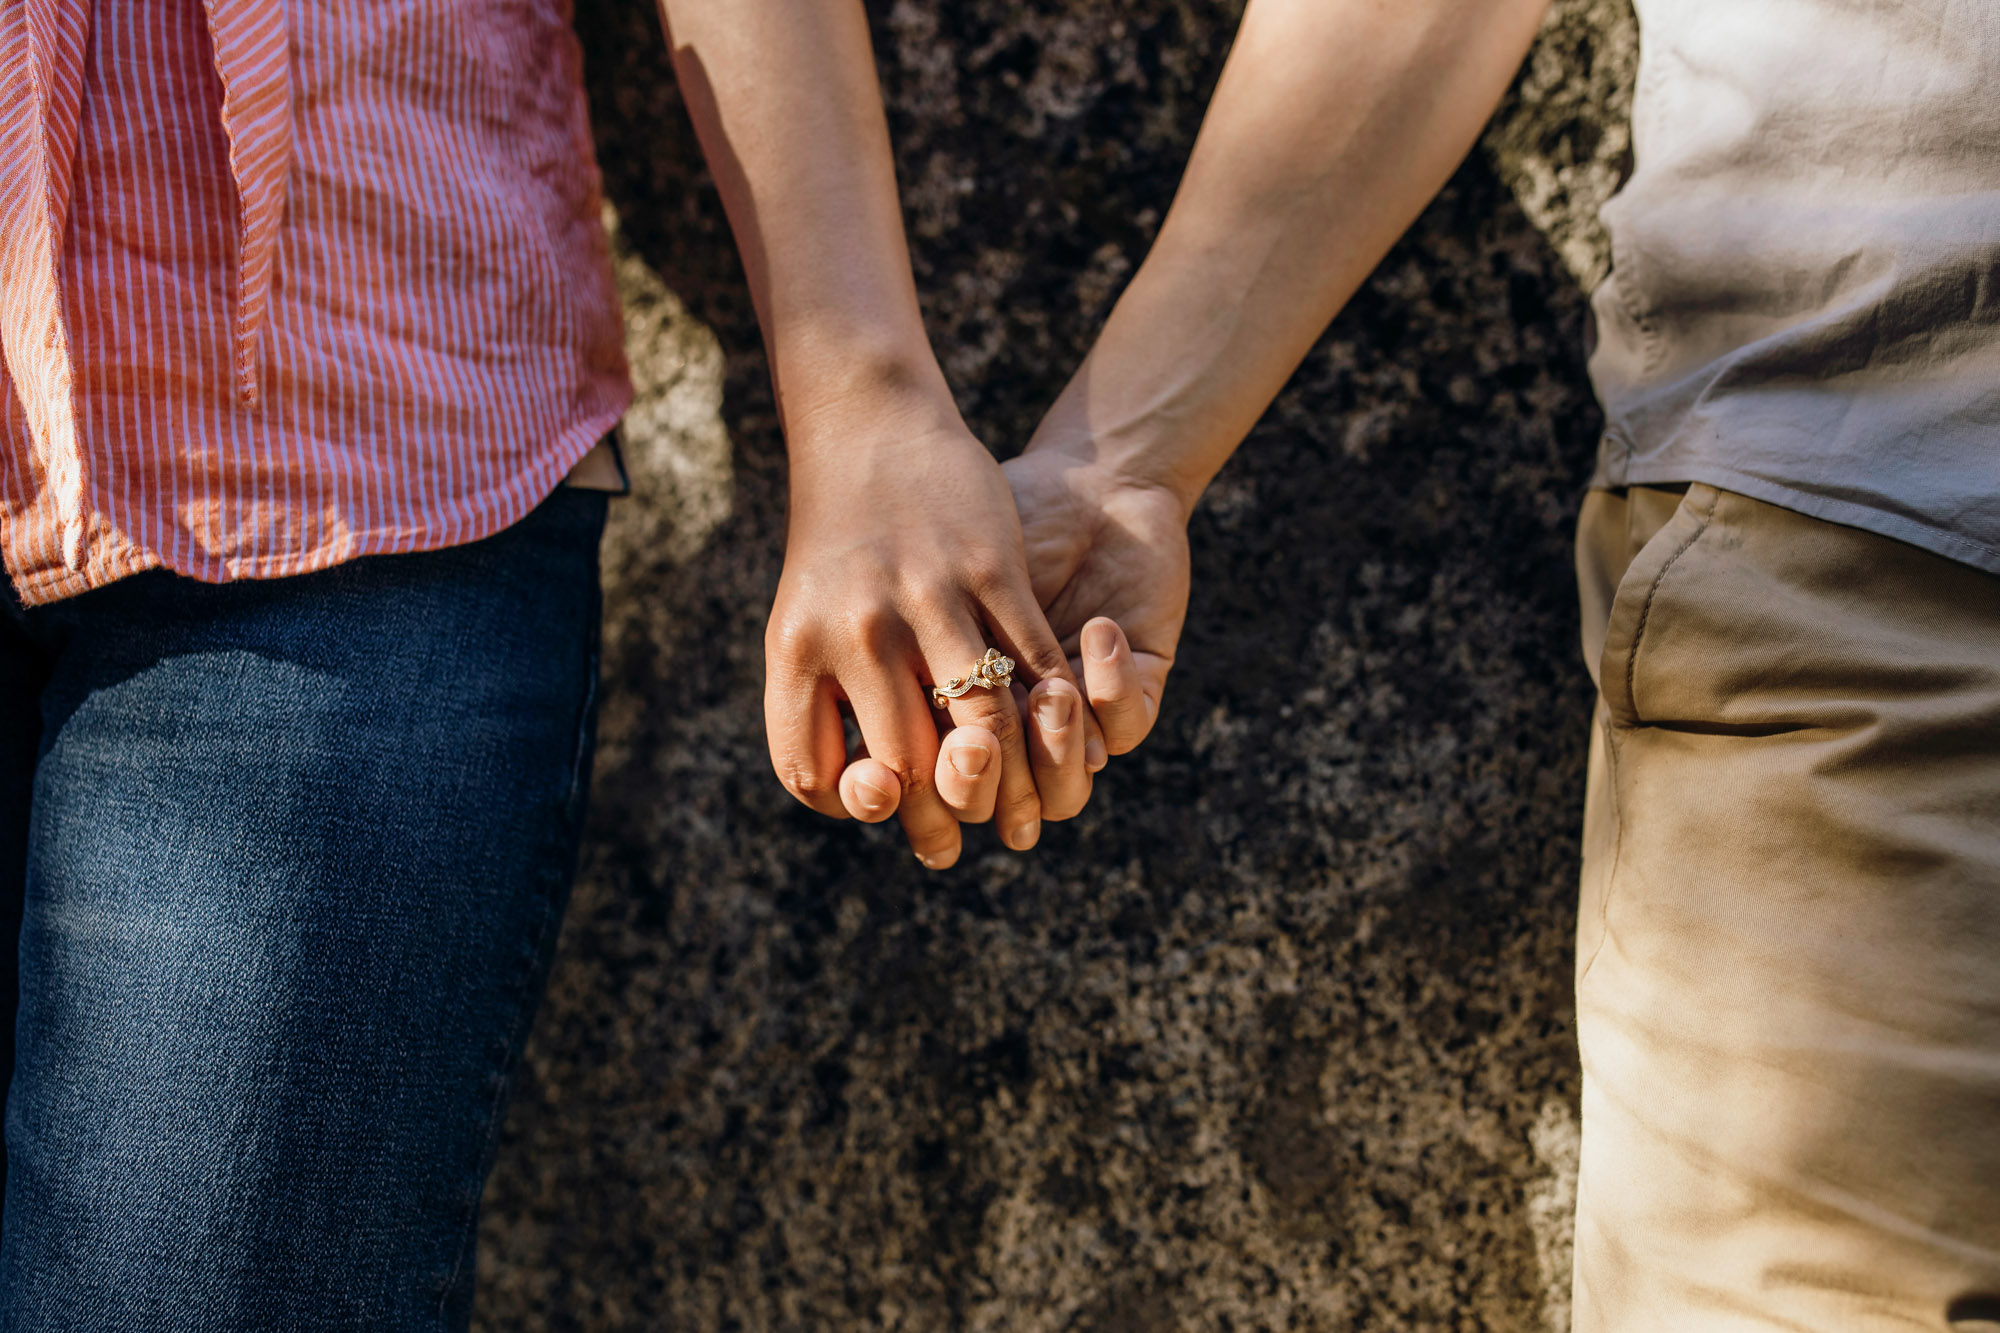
point(1108, 559)
point(903, 563)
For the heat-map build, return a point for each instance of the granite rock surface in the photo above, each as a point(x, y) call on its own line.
point(1277, 1035)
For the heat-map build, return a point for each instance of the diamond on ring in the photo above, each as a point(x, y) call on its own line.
point(991, 672)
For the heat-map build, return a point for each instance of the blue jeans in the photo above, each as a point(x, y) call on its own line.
point(286, 860)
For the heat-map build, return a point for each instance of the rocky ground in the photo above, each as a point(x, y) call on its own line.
point(1277, 1035)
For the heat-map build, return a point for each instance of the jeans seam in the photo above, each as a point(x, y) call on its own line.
point(509, 1056)
point(569, 829)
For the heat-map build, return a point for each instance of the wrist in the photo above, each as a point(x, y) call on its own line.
point(1127, 459)
point(833, 395)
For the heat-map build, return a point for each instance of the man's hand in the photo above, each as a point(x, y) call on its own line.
point(1333, 123)
point(1108, 558)
point(903, 563)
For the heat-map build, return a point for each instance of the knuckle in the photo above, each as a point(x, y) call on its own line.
point(918, 781)
point(809, 785)
point(789, 638)
point(930, 831)
point(1023, 805)
point(1131, 711)
point(1118, 699)
point(933, 590)
point(1058, 807)
point(874, 623)
point(1044, 661)
point(997, 716)
point(922, 591)
point(986, 574)
point(1123, 740)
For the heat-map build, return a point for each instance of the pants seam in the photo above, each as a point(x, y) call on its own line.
point(1611, 748)
point(569, 827)
point(468, 1225)
point(1614, 740)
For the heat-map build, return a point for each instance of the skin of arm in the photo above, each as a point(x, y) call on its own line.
point(1334, 123)
point(904, 556)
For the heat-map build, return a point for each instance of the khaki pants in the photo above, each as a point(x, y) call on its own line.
point(1788, 955)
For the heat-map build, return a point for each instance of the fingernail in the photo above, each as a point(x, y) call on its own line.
point(1101, 642)
point(1093, 754)
point(1025, 835)
point(1054, 710)
point(869, 796)
point(970, 760)
point(928, 862)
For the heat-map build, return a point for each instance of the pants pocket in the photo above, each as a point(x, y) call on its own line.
point(1632, 604)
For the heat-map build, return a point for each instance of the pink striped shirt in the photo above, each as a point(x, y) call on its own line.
point(286, 282)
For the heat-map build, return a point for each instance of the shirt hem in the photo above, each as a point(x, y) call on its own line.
point(1912, 532)
point(510, 504)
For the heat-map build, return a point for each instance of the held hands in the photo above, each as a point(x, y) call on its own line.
point(911, 552)
point(904, 562)
point(1108, 559)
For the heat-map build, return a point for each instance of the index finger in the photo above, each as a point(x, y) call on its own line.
point(807, 742)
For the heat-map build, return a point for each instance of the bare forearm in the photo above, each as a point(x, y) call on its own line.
point(903, 552)
point(1334, 123)
point(784, 97)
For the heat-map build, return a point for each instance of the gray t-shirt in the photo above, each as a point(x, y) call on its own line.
point(1804, 303)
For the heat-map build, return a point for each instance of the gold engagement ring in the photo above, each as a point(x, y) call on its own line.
point(991, 672)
